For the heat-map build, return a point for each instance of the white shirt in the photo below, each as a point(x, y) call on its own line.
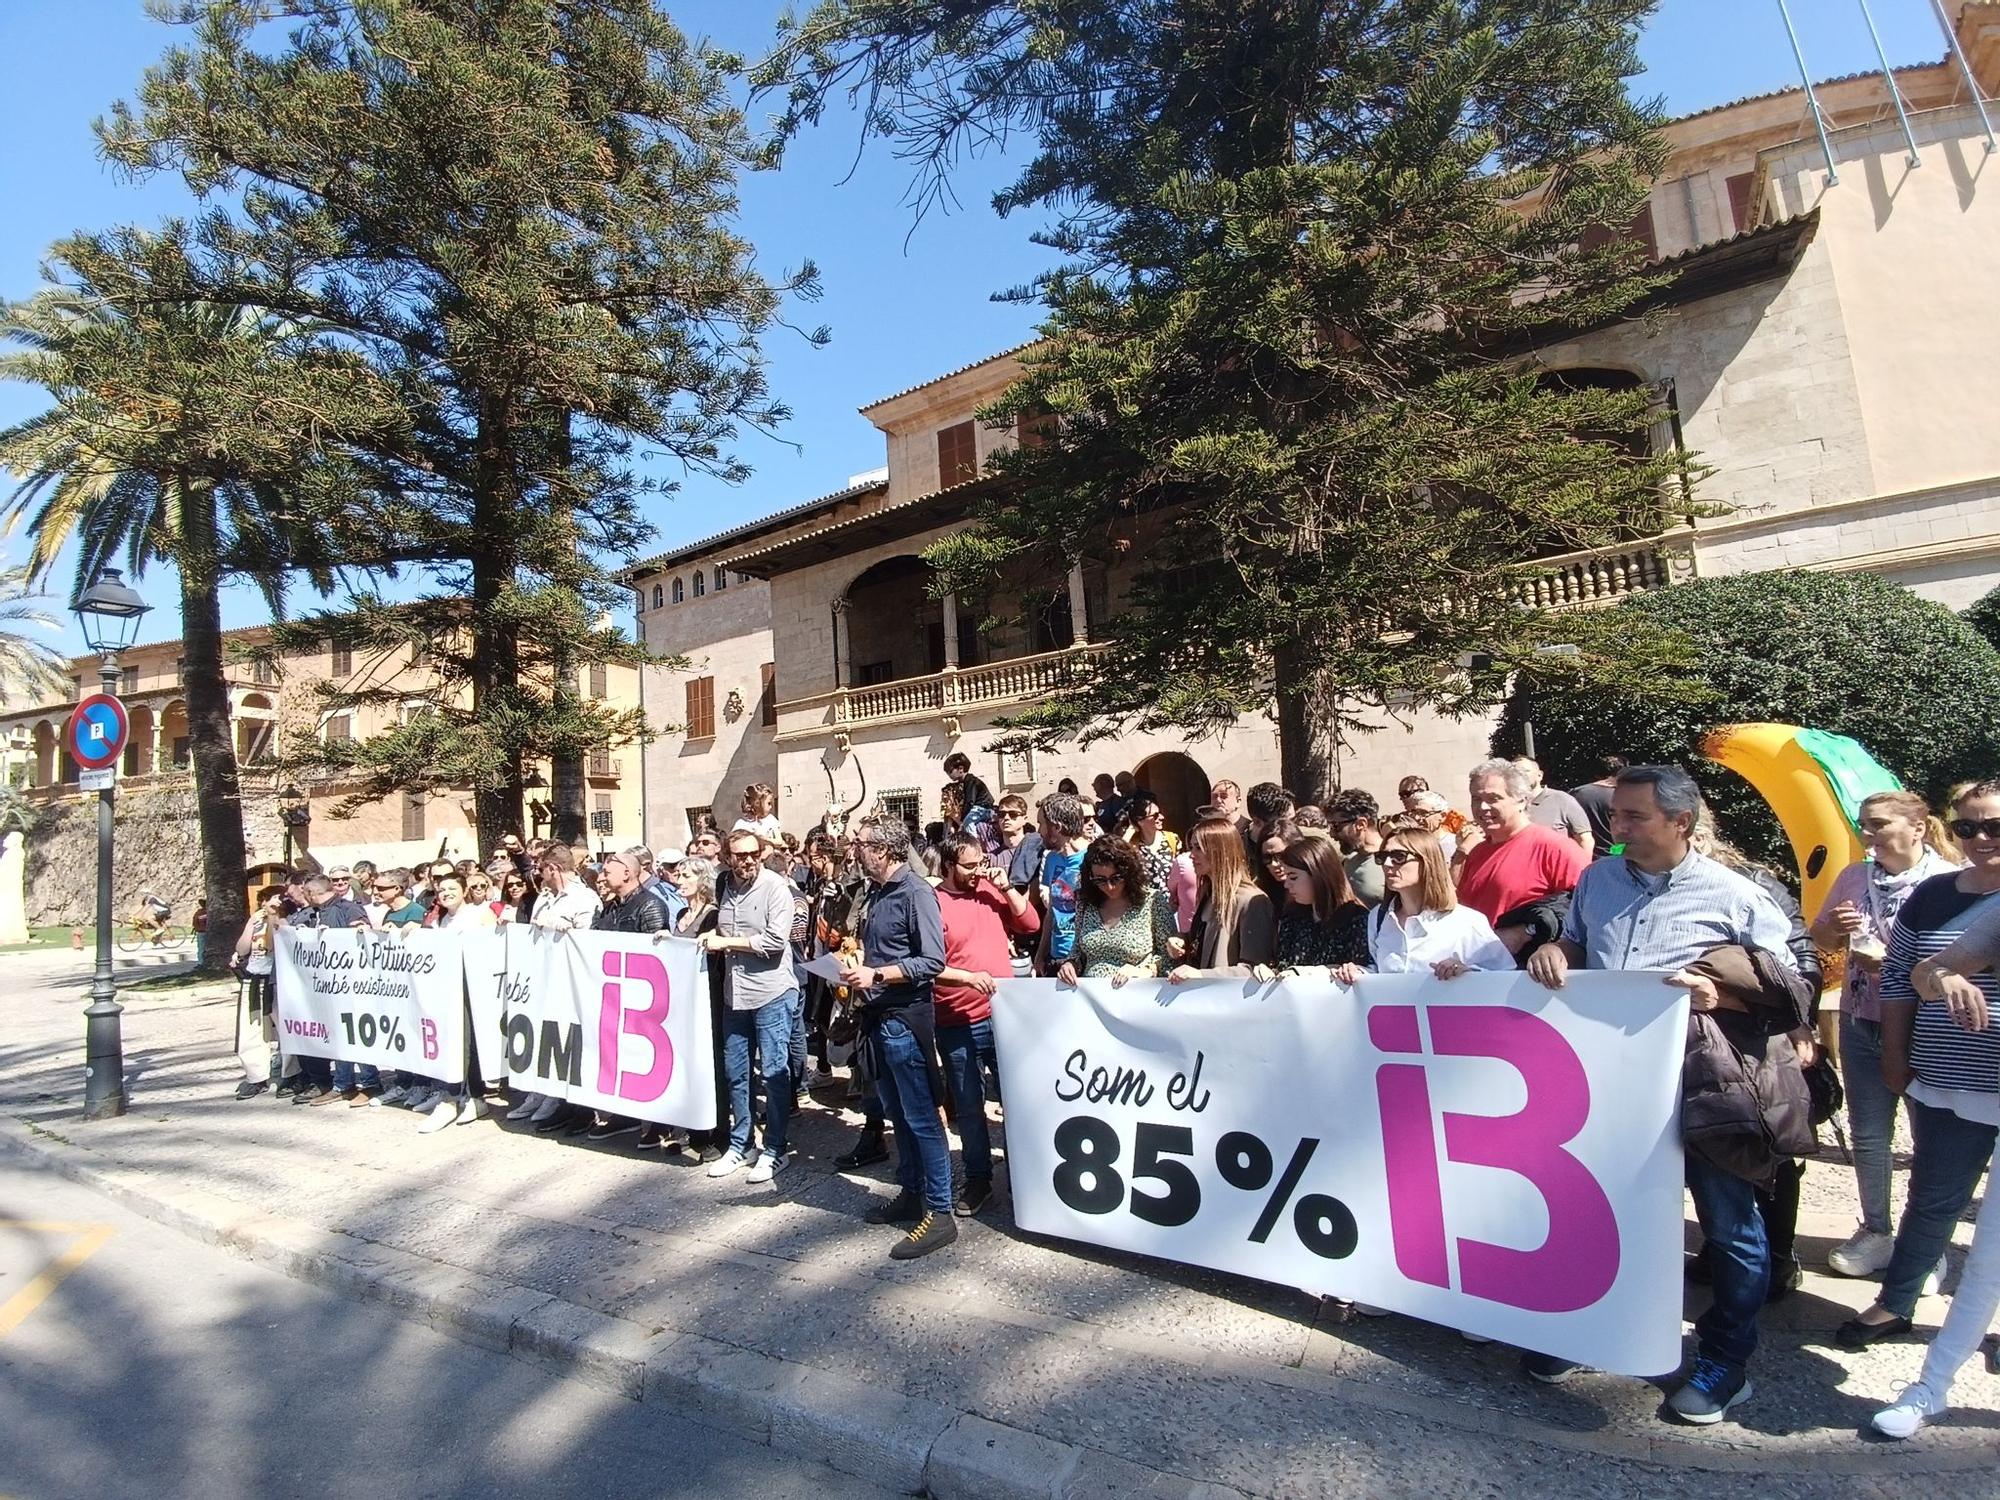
point(1431, 936)
point(471, 916)
point(571, 907)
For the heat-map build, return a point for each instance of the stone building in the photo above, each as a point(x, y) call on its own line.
point(1824, 348)
point(270, 701)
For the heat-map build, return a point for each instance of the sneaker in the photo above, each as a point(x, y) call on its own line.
point(470, 1109)
point(393, 1095)
point(421, 1101)
point(443, 1117)
point(1710, 1392)
point(526, 1108)
point(870, 1149)
point(546, 1111)
point(1918, 1405)
point(362, 1098)
point(769, 1165)
point(727, 1163)
point(322, 1097)
point(905, 1208)
point(610, 1129)
point(1863, 1253)
point(311, 1095)
point(972, 1197)
point(1550, 1370)
point(248, 1090)
point(1934, 1282)
point(932, 1232)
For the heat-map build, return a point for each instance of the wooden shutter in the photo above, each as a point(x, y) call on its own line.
point(767, 700)
point(340, 728)
point(701, 708)
point(413, 816)
point(958, 456)
point(597, 681)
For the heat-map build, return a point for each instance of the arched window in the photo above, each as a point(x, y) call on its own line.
point(700, 583)
point(677, 591)
point(721, 580)
point(659, 596)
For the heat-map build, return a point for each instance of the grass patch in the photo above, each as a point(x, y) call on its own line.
point(53, 937)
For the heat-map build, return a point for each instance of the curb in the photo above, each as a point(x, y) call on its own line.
point(900, 1442)
point(916, 1446)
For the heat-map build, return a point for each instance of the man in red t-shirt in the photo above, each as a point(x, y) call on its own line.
point(981, 909)
point(1518, 863)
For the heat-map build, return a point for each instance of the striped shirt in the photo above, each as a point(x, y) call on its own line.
point(1622, 917)
point(1942, 1054)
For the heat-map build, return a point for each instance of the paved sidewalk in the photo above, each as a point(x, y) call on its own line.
point(1008, 1364)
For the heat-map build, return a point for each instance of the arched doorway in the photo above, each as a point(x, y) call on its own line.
point(1179, 785)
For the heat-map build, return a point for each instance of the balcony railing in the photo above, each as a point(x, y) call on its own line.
point(1604, 575)
point(1013, 681)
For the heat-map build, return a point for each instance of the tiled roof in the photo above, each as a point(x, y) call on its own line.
point(1818, 83)
point(749, 528)
point(948, 374)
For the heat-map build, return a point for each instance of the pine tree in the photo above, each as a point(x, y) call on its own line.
point(519, 212)
point(1311, 251)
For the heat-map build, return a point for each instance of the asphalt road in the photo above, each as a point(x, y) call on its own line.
point(134, 1362)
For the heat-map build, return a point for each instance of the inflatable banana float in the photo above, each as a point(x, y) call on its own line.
point(1815, 783)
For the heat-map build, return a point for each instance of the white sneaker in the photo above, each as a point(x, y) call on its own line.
point(389, 1097)
point(441, 1118)
point(1917, 1406)
point(528, 1105)
point(769, 1165)
point(1863, 1253)
point(728, 1162)
point(471, 1109)
point(548, 1109)
point(1935, 1281)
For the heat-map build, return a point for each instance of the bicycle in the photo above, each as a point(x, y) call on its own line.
point(136, 936)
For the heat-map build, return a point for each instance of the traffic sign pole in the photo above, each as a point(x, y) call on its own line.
point(96, 735)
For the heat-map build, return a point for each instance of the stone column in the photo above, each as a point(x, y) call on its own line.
point(951, 632)
point(158, 717)
point(1079, 612)
point(841, 664)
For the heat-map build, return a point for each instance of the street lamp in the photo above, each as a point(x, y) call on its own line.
point(294, 811)
point(108, 612)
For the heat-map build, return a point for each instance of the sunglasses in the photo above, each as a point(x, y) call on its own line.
point(1107, 879)
point(388, 890)
point(1967, 828)
point(1393, 859)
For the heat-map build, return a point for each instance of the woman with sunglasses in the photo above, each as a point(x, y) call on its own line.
point(517, 898)
point(1949, 1076)
point(1122, 923)
point(1235, 927)
point(1420, 923)
point(1906, 846)
point(1322, 925)
point(1157, 849)
point(1270, 872)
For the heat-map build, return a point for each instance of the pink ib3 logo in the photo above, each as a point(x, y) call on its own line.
point(1578, 1262)
point(615, 1019)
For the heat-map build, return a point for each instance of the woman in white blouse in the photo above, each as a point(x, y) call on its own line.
point(1420, 923)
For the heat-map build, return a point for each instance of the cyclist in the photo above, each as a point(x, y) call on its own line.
point(150, 919)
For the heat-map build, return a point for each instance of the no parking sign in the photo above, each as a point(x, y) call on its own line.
point(97, 732)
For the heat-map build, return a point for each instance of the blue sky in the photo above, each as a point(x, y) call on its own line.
point(903, 306)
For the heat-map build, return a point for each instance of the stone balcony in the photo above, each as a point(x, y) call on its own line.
point(1589, 579)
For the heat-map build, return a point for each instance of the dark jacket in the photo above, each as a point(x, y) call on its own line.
point(339, 912)
point(642, 911)
point(1744, 1101)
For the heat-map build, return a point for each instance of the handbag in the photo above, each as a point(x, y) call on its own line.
point(1823, 1085)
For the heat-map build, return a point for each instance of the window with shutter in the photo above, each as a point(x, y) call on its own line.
point(767, 701)
point(340, 728)
point(700, 583)
point(413, 816)
point(1034, 427)
point(659, 596)
point(598, 686)
point(958, 455)
point(679, 594)
point(701, 708)
point(721, 580)
point(343, 661)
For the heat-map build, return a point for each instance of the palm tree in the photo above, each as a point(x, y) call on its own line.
point(29, 670)
point(165, 431)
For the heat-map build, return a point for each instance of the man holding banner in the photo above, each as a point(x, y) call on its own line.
point(1663, 907)
point(753, 940)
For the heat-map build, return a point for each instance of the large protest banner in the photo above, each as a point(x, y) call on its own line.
point(1483, 1152)
point(393, 999)
point(485, 977)
point(617, 1021)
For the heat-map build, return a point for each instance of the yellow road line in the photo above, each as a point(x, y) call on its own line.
point(15, 1310)
point(43, 1226)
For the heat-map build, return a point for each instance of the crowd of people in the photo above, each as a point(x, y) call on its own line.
point(1627, 872)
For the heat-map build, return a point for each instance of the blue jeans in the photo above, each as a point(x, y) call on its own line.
point(1951, 1153)
point(347, 1075)
point(1871, 1117)
point(769, 1029)
point(923, 1155)
point(1738, 1254)
point(966, 1050)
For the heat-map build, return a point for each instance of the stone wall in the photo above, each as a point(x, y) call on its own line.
point(156, 843)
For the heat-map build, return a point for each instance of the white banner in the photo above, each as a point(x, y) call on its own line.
point(617, 1021)
point(395, 1000)
point(485, 978)
point(1483, 1153)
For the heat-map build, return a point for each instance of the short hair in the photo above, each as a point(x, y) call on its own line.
point(1103, 778)
point(737, 834)
point(642, 854)
point(558, 857)
point(1109, 849)
point(1530, 767)
point(312, 885)
point(1067, 786)
point(363, 864)
point(1411, 784)
point(1267, 800)
point(1216, 786)
point(1066, 813)
point(958, 760)
point(1014, 802)
point(955, 844)
point(399, 875)
point(820, 841)
point(701, 870)
point(1312, 817)
point(1511, 776)
point(892, 833)
point(1137, 803)
point(1351, 804)
point(1674, 791)
point(451, 875)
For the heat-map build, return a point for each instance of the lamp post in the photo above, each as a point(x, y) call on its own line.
point(294, 811)
point(538, 808)
point(1527, 723)
point(109, 613)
